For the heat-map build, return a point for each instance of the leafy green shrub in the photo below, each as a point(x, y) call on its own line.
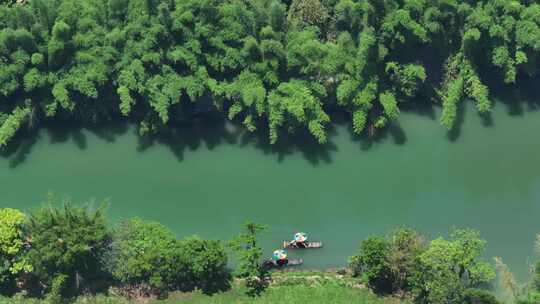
point(389, 263)
point(447, 268)
point(55, 293)
point(144, 257)
point(147, 259)
point(207, 265)
point(406, 246)
point(13, 258)
point(373, 265)
point(67, 247)
point(442, 271)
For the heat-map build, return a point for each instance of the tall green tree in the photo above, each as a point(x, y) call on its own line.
point(441, 271)
point(389, 264)
point(147, 259)
point(68, 244)
point(144, 258)
point(449, 267)
point(250, 258)
point(207, 265)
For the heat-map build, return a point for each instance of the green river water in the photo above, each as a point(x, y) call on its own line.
point(207, 179)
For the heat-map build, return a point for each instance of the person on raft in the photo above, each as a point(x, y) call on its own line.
point(280, 257)
point(299, 241)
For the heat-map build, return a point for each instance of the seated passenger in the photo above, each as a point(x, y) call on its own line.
point(280, 257)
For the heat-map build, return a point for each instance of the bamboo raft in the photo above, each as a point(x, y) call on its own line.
point(271, 264)
point(309, 245)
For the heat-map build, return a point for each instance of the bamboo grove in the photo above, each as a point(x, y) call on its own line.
point(279, 66)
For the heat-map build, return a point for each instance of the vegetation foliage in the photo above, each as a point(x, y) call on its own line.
point(272, 64)
point(13, 250)
point(441, 271)
point(66, 248)
point(146, 258)
point(59, 253)
point(250, 258)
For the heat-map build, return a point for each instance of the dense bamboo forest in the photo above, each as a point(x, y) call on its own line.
point(278, 66)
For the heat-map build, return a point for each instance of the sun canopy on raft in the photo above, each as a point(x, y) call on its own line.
point(279, 254)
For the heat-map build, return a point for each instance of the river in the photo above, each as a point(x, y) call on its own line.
point(207, 179)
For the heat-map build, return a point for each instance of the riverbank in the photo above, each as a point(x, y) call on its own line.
point(63, 253)
point(300, 287)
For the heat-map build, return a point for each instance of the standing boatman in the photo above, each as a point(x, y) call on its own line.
point(300, 240)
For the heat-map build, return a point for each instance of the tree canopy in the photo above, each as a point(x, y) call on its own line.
point(250, 258)
point(67, 246)
point(279, 66)
point(147, 258)
point(441, 271)
point(60, 252)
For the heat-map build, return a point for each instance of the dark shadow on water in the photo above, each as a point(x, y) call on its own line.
point(290, 144)
point(454, 133)
point(62, 133)
point(522, 97)
point(19, 148)
point(202, 133)
point(80, 139)
point(397, 133)
point(215, 132)
point(110, 132)
point(518, 99)
point(393, 132)
point(190, 136)
point(487, 119)
point(211, 133)
point(182, 137)
point(421, 106)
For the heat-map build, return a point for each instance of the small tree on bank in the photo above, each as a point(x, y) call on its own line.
point(441, 271)
point(13, 251)
point(207, 265)
point(67, 247)
point(250, 256)
point(143, 258)
point(147, 260)
point(387, 264)
point(448, 268)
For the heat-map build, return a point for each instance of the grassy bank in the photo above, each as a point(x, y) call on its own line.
point(294, 287)
point(324, 293)
point(287, 287)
